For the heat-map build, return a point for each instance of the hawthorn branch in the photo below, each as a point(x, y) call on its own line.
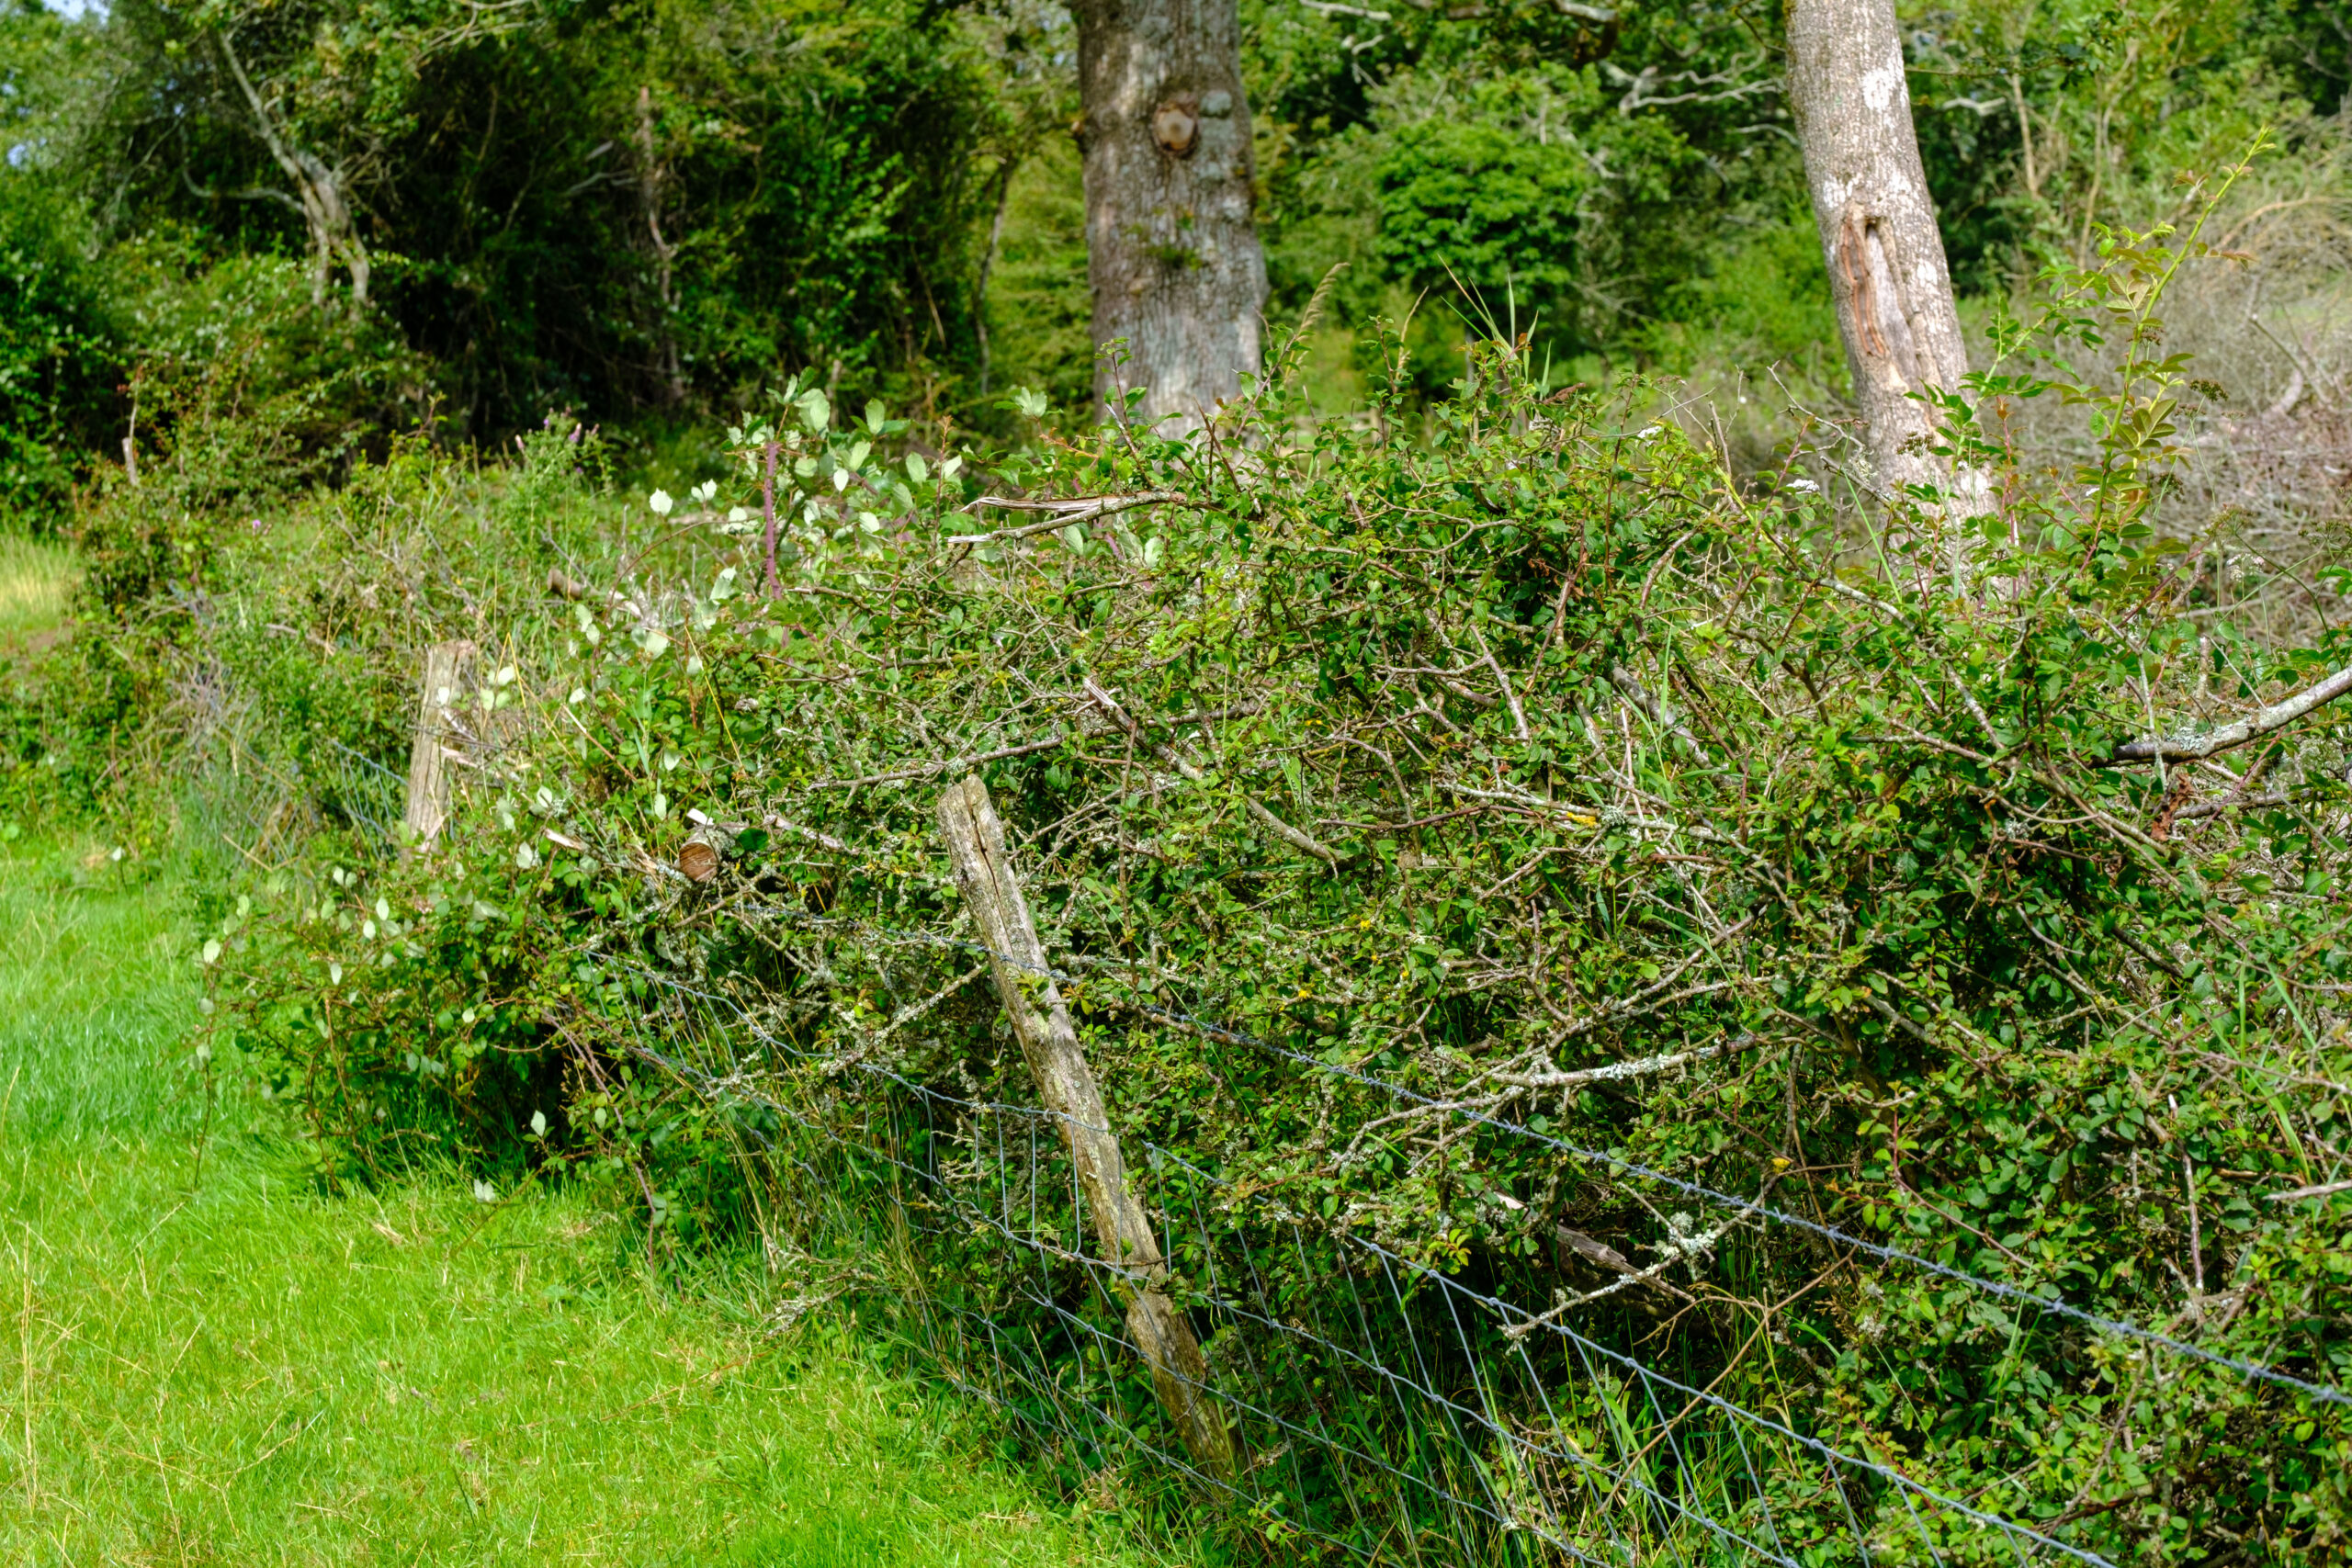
point(1611, 1071)
point(1305, 843)
point(1081, 509)
point(2186, 748)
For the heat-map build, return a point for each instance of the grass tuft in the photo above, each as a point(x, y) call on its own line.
point(36, 578)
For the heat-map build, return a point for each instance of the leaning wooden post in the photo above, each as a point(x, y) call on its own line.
point(1049, 1044)
point(428, 770)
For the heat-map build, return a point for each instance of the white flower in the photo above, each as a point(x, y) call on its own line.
point(1807, 486)
point(1646, 433)
point(706, 490)
point(660, 502)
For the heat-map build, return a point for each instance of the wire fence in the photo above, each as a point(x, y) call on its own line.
point(1383, 1407)
point(366, 792)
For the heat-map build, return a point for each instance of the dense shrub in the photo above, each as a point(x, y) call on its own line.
point(1456, 767)
point(59, 358)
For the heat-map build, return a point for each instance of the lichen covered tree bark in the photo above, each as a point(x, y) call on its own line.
point(1879, 234)
point(1172, 239)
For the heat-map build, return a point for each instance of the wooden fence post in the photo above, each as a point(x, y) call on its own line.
point(428, 772)
point(1066, 1083)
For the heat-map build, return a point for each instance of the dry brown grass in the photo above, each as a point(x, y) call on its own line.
point(37, 578)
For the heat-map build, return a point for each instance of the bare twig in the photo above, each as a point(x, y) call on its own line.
point(2324, 1190)
point(1083, 509)
point(1305, 843)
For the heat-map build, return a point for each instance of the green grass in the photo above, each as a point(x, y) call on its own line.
point(215, 1363)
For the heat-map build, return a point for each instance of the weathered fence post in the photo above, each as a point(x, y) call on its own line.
point(428, 772)
point(1049, 1044)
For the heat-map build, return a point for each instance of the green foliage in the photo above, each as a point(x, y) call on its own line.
point(659, 209)
point(1471, 200)
point(2041, 122)
point(1573, 182)
point(600, 209)
point(59, 360)
point(1582, 757)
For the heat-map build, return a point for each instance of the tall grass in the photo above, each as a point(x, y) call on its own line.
point(35, 581)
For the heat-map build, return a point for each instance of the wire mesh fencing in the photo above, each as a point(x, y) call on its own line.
point(1384, 1404)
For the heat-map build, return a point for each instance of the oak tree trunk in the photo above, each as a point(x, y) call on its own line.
point(1171, 242)
point(1879, 234)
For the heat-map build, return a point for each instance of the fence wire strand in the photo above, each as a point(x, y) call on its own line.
point(1471, 1470)
point(2052, 1304)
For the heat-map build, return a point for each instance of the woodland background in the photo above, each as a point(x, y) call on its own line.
point(641, 214)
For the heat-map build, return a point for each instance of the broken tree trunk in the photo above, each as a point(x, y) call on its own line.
point(1879, 236)
point(1041, 1022)
point(428, 763)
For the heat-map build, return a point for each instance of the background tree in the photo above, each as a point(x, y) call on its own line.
point(1879, 236)
point(1172, 252)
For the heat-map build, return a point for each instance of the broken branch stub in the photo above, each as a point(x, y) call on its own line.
point(1065, 1082)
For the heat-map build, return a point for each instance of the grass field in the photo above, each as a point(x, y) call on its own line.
point(205, 1360)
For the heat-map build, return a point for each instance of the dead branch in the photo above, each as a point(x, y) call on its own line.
point(2187, 747)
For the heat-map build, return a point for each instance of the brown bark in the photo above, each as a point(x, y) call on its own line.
point(1172, 241)
point(1879, 234)
point(428, 766)
point(1041, 1022)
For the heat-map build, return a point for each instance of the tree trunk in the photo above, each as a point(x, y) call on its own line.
point(318, 188)
point(1041, 1022)
point(1171, 244)
point(1879, 234)
point(665, 254)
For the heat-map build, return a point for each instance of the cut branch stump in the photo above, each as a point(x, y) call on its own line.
point(1041, 1022)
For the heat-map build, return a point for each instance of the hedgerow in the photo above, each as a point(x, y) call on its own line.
point(1434, 835)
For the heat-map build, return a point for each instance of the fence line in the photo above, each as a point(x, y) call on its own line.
point(1505, 1456)
point(2052, 1304)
